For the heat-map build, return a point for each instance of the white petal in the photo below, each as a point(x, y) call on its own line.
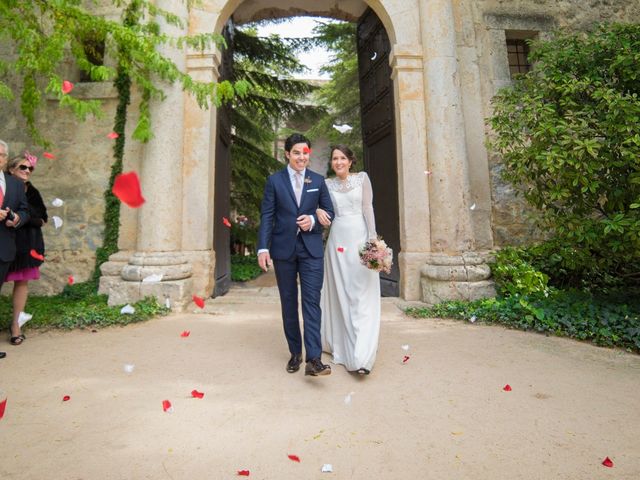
point(347, 399)
point(127, 309)
point(24, 318)
point(375, 55)
point(327, 468)
point(473, 207)
point(128, 367)
point(57, 222)
point(57, 202)
point(167, 302)
point(473, 319)
point(156, 277)
point(405, 347)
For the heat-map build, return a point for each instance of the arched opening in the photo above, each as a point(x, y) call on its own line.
point(378, 126)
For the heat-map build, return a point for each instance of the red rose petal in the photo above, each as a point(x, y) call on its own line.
point(66, 398)
point(36, 255)
point(70, 280)
point(67, 86)
point(507, 388)
point(226, 222)
point(243, 473)
point(186, 333)
point(607, 462)
point(306, 150)
point(198, 301)
point(406, 359)
point(197, 394)
point(294, 458)
point(113, 135)
point(48, 155)
point(340, 249)
point(3, 405)
point(127, 188)
point(166, 405)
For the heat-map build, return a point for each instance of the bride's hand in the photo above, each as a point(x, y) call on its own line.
point(323, 217)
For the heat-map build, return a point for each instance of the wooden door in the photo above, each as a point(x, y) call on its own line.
point(378, 132)
point(222, 202)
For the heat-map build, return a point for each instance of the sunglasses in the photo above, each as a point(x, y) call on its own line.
point(25, 167)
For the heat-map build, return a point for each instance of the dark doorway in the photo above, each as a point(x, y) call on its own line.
point(221, 205)
point(378, 136)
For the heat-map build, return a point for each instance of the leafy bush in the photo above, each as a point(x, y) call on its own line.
point(91, 310)
point(244, 268)
point(568, 133)
point(514, 275)
point(606, 320)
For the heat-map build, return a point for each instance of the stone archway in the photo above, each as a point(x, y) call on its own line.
point(435, 224)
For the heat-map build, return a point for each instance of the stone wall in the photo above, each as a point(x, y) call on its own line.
point(512, 221)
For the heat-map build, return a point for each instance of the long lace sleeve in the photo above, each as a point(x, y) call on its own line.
point(367, 206)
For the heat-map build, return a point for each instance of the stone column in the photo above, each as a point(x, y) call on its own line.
point(159, 236)
point(406, 64)
point(447, 274)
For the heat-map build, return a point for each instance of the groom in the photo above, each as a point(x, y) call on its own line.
point(291, 236)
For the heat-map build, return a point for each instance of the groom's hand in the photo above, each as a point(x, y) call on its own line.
point(304, 222)
point(264, 261)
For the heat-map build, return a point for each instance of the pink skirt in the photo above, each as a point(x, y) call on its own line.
point(27, 274)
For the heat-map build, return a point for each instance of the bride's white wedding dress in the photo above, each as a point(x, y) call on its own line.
point(351, 292)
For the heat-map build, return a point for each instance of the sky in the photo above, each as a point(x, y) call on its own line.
point(297, 27)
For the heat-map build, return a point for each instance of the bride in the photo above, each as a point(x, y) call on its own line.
point(350, 298)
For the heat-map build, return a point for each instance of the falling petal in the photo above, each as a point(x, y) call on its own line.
point(128, 367)
point(347, 399)
point(243, 473)
point(67, 86)
point(70, 280)
point(226, 222)
point(405, 359)
point(374, 56)
point(405, 347)
point(340, 249)
point(427, 172)
point(607, 462)
point(113, 135)
point(156, 277)
point(48, 155)
point(66, 398)
point(166, 406)
point(23, 318)
point(197, 394)
point(32, 159)
point(294, 458)
point(307, 150)
point(167, 302)
point(199, 301)
point(343, 128)
point(57, 202)
point(57, 222)
point(127, 188)
point(36, 255)
point(472, 207)
point(3, 406)
point(327, 468)
point(127, 309)
point(185, 333)
point(507, 388)
point(473, 319)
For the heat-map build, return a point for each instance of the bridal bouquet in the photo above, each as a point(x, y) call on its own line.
point(375, 255)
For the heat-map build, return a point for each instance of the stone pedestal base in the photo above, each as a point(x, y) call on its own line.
point(123, 280)
point(456, 277)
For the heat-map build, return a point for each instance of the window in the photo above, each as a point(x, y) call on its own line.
point(518, 51)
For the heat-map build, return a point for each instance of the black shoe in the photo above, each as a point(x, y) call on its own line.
point(3, 354)
point(293, 365)
point(315, 368)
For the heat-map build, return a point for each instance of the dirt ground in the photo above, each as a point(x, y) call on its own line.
point(441, 415)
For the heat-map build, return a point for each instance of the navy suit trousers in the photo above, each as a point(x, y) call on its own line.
point(310, 270)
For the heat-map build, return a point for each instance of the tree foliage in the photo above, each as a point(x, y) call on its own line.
point(43, 35)
point(568, 133)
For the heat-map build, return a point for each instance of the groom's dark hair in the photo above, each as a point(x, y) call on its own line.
point(294, 139)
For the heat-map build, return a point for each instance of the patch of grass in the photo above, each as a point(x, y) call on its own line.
point(244, 268)
point(78, 307)
point(611, 320)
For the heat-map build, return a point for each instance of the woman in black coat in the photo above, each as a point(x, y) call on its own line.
point(29, 243)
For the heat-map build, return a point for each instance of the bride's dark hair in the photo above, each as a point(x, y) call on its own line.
point(344, 149)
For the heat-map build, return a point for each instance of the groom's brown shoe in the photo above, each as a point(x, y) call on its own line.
point(315, 367)
point(293, 365)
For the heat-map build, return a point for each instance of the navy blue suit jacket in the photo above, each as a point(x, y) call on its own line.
point(278, 229)
point(16, 200)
